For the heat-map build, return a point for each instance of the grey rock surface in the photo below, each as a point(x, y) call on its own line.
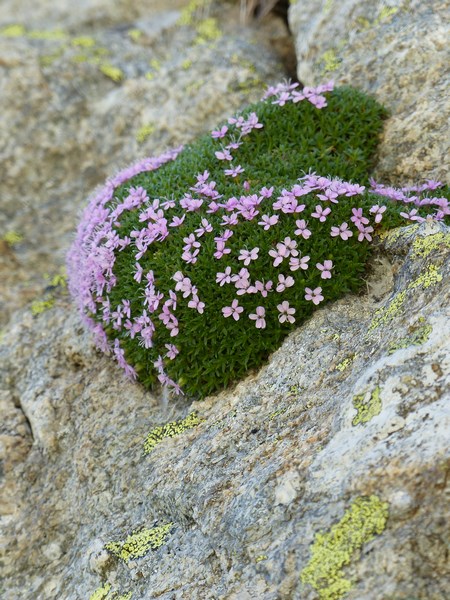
point(396, 50)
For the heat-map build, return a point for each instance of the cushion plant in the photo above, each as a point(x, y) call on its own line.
point(192, 267)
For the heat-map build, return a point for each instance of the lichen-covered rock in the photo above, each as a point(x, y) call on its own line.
point(396, 50)
point(265, 470)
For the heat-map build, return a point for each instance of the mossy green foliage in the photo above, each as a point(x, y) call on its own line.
point(337, 141)
point(367, 408)
point(157, 434)
point(333, 550)
point(139, 543)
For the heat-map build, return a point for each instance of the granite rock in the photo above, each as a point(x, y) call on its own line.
point(396, 50)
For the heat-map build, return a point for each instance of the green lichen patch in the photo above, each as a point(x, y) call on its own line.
point(344, 364)
point(157, 434)
point(139, 543)
point(330, 61)
point(418, 336)
point(113, 73)
point(207, 31)
point(260, 558)
point(12, 238)
point(367, 406)
point(15, 30)
point(431, 276)
point(385, 314)
point(40, 306)
point(424, 246)
point(101, 592)
point(144, 132)
point(333, 550)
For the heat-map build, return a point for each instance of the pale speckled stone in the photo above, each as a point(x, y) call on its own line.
point(403, 59)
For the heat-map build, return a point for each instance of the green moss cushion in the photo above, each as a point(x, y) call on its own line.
point(192, 267)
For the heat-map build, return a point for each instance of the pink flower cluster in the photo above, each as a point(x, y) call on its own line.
point(287, 92)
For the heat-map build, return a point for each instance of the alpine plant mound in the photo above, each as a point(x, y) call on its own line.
point(191, 268)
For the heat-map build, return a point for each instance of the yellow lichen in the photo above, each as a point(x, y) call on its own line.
point(101, 592)
point(83, 41)
point(40, 306)
point(113, 73)
point(155, 64)
point(135, 35)
point(418, 337)
point(189, 12)
point(144, 132)
point(430, 277)
point(387, 313)
point(186, 64)
point(346, 363)
point(261, 557)
point(423, 246)
point(50, 35)
point(386, 12)
point(13, 31)
point(330, 61)
point(333, 550)
point(139, 543)
point(12, 237)
point(157, 434)
point(207, 31)
point(367, 407)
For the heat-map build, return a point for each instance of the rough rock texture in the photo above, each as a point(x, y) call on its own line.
point(272, 462)
point(349, 412)
point(398, 51)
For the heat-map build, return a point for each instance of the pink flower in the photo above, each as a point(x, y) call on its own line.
point(259, 317)
point(342, 230)
point(220, 133)
point(302, 230)
point(290, 246)
point(177, 221)
point(314, 295)
point(286, 312)
point(321, 213)
point(139, 271)
point(232, 311)
point(172, 351)
point(260, 287)
point(234, 171)
point(358, 218)
point(248, 255)
point(284, 282)
point(205, 227)
point(302, 263)
point(378, 212)
point(224, 155)
point(266, 193)
point(195, 303)
point(222, 278)
point(364, 233)
point(267, 221)
point(328, 195)
point(325, 268)
point(412, 216)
